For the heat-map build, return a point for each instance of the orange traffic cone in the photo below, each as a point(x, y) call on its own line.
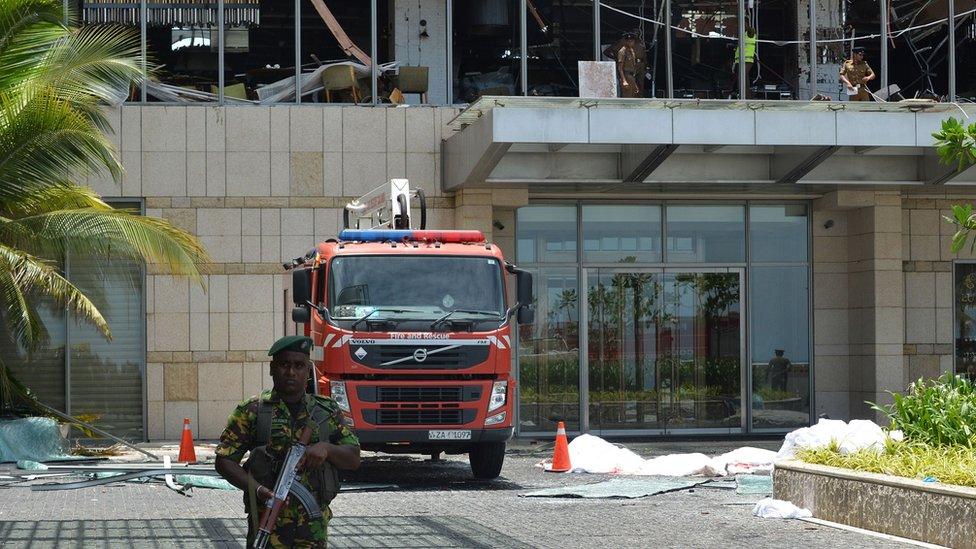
point(187, 453)
point(560, 456)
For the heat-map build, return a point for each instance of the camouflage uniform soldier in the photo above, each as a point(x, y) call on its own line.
point(267, 425)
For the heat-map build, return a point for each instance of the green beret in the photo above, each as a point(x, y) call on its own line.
point(297, 343)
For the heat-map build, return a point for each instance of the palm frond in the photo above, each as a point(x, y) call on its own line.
point(105, 233)
point(97, 61)
point(45, 138)
point(22, 277)
point(28, 28)
point(56, 196)
point(19, 314)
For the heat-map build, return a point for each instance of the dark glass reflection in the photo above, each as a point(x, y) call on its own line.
point(706, 234)
point(664, 350)
point(965, 319)
point(624, 234)
point(549, 368)
point(780, 347)
point(547, 234)
point(559, 35)
point(487, 60)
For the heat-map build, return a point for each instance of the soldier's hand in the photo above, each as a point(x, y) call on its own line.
point(264, 493)
point(316, 454)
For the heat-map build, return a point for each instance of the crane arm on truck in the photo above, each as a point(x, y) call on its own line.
point(385, 207)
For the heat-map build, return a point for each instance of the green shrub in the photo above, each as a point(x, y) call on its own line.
point(936, 412)
point(947, 464)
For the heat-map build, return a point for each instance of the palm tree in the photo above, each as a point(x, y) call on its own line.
point(54, 80)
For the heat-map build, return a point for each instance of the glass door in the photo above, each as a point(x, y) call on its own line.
point(664, 350)
point(625, 323)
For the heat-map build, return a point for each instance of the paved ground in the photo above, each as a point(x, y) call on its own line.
point(436, 504)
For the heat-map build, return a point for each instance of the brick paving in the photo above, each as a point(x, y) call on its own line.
point(435, 504)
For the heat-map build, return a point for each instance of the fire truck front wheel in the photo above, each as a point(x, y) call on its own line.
point(486, 459)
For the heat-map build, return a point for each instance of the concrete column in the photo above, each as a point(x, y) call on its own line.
point(831, 343)
point(872, 228)
point(412, 48)
point(480, 208)
point(877, 301)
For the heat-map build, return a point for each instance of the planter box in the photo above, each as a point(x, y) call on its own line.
point(931, 512)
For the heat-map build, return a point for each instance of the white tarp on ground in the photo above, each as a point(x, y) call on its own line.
point(591, 454)
point(777, 508)
point(859, 434)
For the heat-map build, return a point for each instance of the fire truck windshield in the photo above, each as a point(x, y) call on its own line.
point(415, 287)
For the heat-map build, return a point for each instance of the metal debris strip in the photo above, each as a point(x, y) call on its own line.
point(620, 488)
point(366, 487)
point(94, 429)
point(112, 479)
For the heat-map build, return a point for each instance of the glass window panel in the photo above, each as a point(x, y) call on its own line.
point(780, 347)
point(706, 234)
point(259, 59)
point(338, 77)
point(549, 366)
point(41, 371)
point(965, 319)
point(664, 350)
point(486, 45)
point(546, 234)
point(182, 40)
point(612, 233)
point(778, 233)
point(559, 36)
point(106, 376)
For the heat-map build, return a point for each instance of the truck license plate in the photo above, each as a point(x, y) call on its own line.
point(449, 435)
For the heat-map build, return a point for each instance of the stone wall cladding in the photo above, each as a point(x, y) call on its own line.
point(258, 185)
point(882, 293)
point(908, 508)
point(928, 264)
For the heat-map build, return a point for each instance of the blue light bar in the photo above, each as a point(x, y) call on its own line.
point(376, 235)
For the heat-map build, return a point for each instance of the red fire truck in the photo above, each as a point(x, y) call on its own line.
point(413, 336)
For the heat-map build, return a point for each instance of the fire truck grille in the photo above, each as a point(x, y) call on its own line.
point(419, 417)
point(410, 357)
point(419, 394)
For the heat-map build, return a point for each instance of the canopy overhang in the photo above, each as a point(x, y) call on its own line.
point(618, 145)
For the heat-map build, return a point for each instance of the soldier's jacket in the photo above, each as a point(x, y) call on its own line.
point(293, 528)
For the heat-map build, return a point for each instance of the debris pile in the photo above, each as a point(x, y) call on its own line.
point(592, 454)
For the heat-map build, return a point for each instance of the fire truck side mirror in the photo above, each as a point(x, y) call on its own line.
point(301, 314)
point(301, 286)
point(523, 280)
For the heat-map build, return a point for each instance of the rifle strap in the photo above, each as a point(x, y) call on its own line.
point(253, 516)
point(263, 426)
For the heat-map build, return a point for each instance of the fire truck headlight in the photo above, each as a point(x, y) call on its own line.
point(338, 390)
point(499, 390)
point(495, 419)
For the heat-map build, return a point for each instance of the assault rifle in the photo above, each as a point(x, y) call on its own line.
point(286, 484)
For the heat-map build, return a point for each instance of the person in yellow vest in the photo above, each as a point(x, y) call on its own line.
point(751, 40)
